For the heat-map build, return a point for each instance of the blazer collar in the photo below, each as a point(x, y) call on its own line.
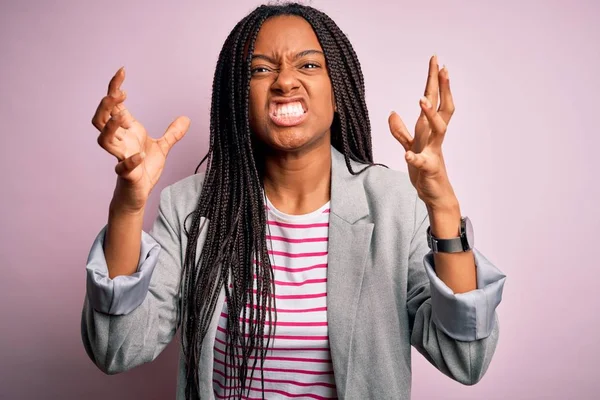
point(348, 198)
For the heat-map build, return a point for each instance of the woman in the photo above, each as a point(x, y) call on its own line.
point(295, 266)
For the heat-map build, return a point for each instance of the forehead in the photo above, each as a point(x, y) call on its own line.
point(286, 33)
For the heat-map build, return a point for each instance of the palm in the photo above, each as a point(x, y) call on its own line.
point(136, 140)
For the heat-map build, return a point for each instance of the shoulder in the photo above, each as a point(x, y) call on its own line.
point(181, 198)
point(390, 195)
point(384, 185)
point(186, 188)
point(380, 177)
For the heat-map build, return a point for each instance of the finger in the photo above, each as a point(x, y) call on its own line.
point(107, 106)
point(109, 132)
point(437, 124)
point(129, 164)
point(417, 160)
point(399, 131)
point(432, 85)
point(173, 134)
point(112, 103)
point(114, 86)
point(110, 136)
point(124, 117)
point(446, 109)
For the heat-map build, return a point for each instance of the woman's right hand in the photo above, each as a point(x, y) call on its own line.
point(141, 159)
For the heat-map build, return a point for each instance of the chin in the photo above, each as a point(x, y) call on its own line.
point(289, 141)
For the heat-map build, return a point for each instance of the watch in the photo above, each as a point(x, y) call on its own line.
point(465, 242)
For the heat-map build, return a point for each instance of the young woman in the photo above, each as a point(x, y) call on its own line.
point(295, 266)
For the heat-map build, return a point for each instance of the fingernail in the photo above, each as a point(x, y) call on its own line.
point(123, 93)
point(425, 102)
point(143, 155)
point(391, 112)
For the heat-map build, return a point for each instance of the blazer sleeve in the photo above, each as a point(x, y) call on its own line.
point(129, 320)
point(457, 333)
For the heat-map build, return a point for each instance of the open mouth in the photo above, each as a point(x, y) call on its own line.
point(287, 113)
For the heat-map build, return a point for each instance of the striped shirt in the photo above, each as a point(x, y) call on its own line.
point(298, 363)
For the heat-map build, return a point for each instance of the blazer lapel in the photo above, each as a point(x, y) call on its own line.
point(349, 242)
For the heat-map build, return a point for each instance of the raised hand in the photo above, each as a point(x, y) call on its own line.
point(424, 155)
point(141, 159)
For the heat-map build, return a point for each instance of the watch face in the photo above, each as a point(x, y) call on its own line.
point(469, 233)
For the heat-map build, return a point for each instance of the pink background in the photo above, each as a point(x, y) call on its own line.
point(522, 154)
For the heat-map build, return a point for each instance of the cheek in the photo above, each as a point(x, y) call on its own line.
point(255, 106)
point(326, 103)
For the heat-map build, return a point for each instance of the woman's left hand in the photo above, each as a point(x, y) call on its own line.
point(424, 156)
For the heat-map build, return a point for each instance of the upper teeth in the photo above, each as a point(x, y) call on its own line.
point(294, 108)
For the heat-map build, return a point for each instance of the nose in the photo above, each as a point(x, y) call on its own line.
point(286, 81)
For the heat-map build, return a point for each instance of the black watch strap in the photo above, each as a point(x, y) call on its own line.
point(454, 245)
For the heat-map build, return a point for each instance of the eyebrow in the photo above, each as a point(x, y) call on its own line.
point(297, 56)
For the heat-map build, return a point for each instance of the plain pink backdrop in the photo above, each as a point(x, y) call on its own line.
point(521, 151)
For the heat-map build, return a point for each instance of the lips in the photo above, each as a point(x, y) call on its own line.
point(288, 111)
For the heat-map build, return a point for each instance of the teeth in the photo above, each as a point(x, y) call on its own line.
point(289, 109)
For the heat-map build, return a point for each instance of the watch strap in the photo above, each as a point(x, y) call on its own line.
point(453, 245)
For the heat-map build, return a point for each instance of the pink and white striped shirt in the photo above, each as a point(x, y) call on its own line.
point(298, 363)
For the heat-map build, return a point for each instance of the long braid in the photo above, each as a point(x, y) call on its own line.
point(232, 202)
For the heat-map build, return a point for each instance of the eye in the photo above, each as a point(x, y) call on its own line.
point(311, 65)
point(258, 70)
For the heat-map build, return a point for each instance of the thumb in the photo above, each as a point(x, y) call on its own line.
point(174, 133)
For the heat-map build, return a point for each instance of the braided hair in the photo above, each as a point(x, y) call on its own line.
point(232, 199)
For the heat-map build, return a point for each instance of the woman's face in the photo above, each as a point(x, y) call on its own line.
point(291, 98)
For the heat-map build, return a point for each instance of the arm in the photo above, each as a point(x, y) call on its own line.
point(122, 243)
point(128, 320)
point(457, 333)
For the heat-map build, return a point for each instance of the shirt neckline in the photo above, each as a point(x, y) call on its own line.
point(296, 217)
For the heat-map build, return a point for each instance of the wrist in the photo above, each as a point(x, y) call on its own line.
point(117, 209)
point(445, 221)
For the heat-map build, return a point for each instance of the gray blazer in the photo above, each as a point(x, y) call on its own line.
point(382, 292)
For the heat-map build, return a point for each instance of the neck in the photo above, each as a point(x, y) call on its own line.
point(298, 183)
